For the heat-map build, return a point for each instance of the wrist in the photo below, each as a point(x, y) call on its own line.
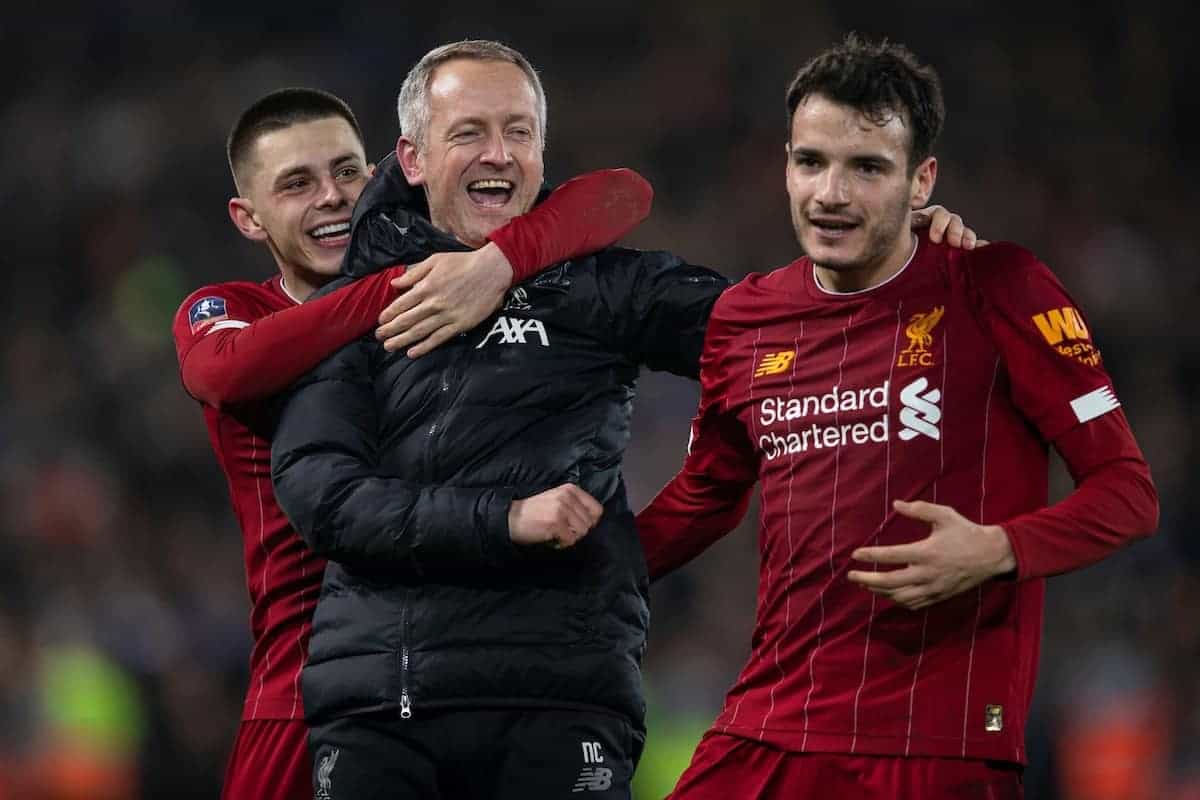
point(495, 259)
point(1003, 560)
point(502, 249)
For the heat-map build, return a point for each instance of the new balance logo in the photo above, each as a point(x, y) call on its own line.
point(324, 775)
point(775, 363)
point(593, 779)
point(512, 330)
point(920, 414)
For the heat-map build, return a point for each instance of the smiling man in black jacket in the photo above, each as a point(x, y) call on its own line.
point(483, 619)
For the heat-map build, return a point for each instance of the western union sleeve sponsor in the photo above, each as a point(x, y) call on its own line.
point(1060, 323)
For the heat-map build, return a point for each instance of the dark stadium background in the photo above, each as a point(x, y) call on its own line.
point(123, 636)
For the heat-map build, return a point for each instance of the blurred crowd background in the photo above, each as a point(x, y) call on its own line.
point(123, 632)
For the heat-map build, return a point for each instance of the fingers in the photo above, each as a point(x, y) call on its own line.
point(926, 512)
point(414, 274)
point(914, 591)
point(582, 503)
point(946, 225)
point(410, 328)
point(400, 305)
point(890, 580)
point(410, 293)
point(433, 341)
point(921, 218)
point(579, 514)
point(890, 554)
point(573, 515)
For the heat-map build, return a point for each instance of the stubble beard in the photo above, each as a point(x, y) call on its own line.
point(880, 240)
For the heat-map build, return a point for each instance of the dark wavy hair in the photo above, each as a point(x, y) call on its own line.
point(278, 110)
point(880, 79)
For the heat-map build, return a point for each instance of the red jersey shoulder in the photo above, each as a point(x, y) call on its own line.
point(225, 305)
point(759, 297)
point(1014, 284)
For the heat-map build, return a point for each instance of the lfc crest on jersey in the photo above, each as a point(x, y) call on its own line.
point(920, 338)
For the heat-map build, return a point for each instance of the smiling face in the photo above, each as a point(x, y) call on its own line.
point(299, 189)
point(481, 161)
point(851, 192)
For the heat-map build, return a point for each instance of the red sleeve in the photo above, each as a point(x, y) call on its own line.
point(1058, 378)
point(229, 354)
point(583, 215)
point(708, 497)
point(1114, 502)
point(1059, 383)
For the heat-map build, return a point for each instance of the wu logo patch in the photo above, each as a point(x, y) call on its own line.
point(1060, 323)
point(324, 775)
point(920, 338)
point(513, 330)
point(775, 363)
point(920, 414)
point(1064, 330)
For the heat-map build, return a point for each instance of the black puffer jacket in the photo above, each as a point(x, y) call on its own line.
point(401, 472)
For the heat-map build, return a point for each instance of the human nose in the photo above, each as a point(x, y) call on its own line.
point(832, 188)
point(330, 194)
point(496, 152)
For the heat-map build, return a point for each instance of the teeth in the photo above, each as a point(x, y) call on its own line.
point(491, 183)
point(332, 230)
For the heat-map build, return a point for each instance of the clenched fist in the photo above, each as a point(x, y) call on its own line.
point(559, 517)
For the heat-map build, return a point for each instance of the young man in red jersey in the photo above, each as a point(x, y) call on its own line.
point(298, 162)
point(896, 400)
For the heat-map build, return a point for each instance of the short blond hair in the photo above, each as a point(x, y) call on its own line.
point(412, 106)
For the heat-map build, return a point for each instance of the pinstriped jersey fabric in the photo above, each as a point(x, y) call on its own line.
point(283, 576)
point(938, 385)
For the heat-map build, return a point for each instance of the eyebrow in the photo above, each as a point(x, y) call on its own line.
point(511, 118)
point(304, 169)
point(866, 158)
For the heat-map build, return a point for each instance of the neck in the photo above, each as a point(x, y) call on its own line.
point(300, 287)
point(869, 276)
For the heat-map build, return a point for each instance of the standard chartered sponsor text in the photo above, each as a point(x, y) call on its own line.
point(837, 401)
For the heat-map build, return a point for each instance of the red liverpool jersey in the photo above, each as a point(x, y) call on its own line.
point(945, 384)
point(282, 574)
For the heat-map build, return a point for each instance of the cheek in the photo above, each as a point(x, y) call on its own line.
point(796, 189)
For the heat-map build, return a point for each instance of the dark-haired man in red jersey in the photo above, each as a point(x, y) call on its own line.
point(895, 399)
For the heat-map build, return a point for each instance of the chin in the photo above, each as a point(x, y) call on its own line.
point(836, 258)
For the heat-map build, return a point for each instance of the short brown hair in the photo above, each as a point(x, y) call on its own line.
point(879, 79)
point(278, 110)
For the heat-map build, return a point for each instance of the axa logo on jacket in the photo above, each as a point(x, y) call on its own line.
point(514, 330)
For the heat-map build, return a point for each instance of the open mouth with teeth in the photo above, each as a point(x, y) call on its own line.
point(335, 234)
point(490, 193)
point(833, 227)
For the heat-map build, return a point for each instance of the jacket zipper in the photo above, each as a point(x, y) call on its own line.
point(443, 394)
point(405, 699)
